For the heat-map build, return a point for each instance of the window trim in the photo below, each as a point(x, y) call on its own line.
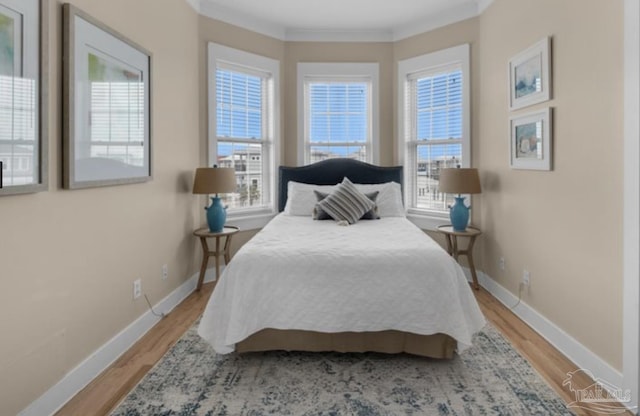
point(424, 63)
point(358, 71)
point(220, 55)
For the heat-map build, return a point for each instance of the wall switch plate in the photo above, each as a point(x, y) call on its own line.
point(137, 288)
point(165, 272)
point(501, 263)
point(526, 278)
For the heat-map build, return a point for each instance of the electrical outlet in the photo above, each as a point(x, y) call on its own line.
point(501, 263)
point(526, 278)
point(165, 272)
point(137, 288)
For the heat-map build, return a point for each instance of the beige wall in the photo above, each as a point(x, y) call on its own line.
point(564, 226)
point(69, 258)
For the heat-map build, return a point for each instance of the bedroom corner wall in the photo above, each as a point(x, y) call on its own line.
point(69, 258)
point(564, 226)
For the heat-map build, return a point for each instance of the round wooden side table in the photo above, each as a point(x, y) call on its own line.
point(204, 233)
point(451, 236)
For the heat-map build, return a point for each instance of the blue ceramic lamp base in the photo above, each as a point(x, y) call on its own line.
point(459, 214)
point(216, 215)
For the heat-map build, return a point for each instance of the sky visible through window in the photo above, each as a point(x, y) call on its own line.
point(436, 134)
point(240, 114)
point(338, 119)
point(338, 112)
point(239, 110)
point(439, 114)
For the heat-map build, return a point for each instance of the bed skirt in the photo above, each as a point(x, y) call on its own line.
point(390, 342)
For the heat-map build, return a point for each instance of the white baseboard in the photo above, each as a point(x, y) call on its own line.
point(580, 355)
point(78, 378)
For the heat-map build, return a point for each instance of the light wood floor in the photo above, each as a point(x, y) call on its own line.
point(108, 389)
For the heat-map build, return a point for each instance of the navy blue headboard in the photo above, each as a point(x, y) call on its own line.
point(333, 171)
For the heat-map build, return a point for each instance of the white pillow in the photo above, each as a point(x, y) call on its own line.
point(389, 198)
point(301, 199)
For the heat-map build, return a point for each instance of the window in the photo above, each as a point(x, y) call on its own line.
point(337, 111)
point(434, 125)
point(243, 125)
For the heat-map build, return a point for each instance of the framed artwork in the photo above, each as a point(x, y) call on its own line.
point(106, 105)
point(23, 96)
point(530, 75)
point(531, 141)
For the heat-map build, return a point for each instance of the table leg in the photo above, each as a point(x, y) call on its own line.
point(449, 247)
point(217, 258)
point(227, 250)
point(205, 260)
point(455, 247)
point(472, 266)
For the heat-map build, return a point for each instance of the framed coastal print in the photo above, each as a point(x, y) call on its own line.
point(531, 141)
point(530, 75)
point(23, 96)
point(106, 105)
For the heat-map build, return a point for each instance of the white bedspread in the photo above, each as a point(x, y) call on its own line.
point(316, 275)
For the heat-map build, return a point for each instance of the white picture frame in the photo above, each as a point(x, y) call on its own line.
point(531, 144)
point(530, 75)
point(24, 60)
point(106, 105)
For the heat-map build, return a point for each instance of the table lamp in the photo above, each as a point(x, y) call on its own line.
point(215, 180)
point(459, 181)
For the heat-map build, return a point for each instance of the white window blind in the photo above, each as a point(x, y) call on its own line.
point(434, 115)
point(240, 98)
point(243, 125)
point(338, 119)
point(338, 111)
point(241, 118)
point(435, 142)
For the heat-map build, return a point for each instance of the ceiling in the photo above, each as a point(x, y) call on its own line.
point(340, 20)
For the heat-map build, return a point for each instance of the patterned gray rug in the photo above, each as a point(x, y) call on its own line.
point(490, 378)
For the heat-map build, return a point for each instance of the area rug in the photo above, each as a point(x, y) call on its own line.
point(490, 378)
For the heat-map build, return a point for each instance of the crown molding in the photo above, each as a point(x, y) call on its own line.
point(242, 20)
point(482, 5)
point(195, 4)
point(274, 30)
point(450, 16)
point(305, 35)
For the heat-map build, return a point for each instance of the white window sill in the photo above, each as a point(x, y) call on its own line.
point(252, 221)
point(429, 222)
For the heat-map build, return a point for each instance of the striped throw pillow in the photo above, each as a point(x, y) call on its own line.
point(319, 214)
point(346, 203)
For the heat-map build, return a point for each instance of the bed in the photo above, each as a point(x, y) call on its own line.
point(377, 285)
